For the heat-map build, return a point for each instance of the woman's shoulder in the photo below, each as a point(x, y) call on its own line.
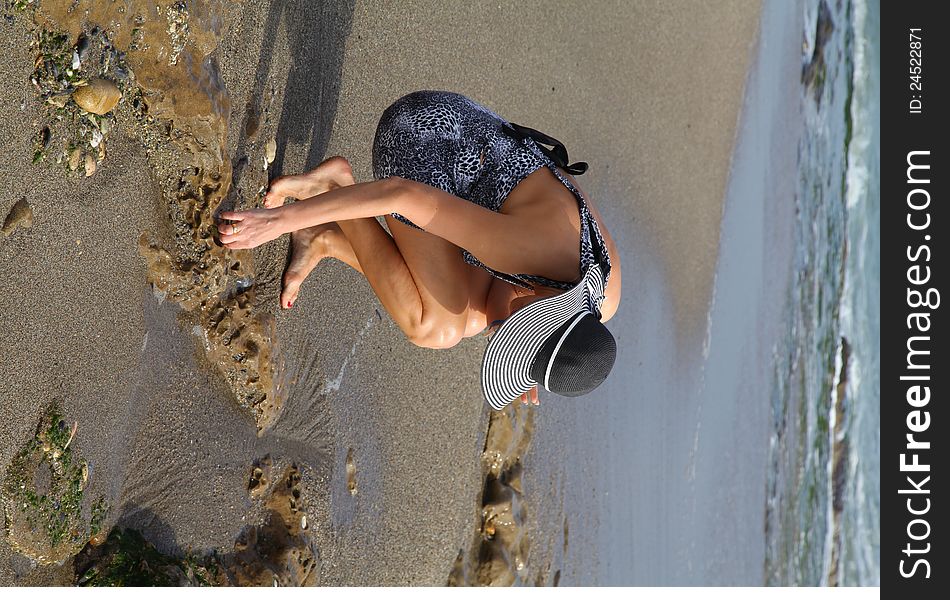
point(542, 192)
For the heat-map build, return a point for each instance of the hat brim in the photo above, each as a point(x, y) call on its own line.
point(507, 362)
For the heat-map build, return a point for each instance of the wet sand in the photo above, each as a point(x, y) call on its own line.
point(390, 453)
point(660, 478)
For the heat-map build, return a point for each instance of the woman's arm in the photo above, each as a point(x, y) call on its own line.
point(507, 243)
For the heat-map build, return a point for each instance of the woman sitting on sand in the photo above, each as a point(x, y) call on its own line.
point(488, 230)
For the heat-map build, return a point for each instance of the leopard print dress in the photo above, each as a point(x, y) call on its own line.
point(450, 142)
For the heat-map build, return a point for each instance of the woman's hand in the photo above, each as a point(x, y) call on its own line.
point(532, 396)
point(250, 228)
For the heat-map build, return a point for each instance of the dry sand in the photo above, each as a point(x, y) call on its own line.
point(649, 94)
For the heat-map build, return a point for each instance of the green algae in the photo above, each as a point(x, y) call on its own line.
point(43, 495)
point(127, 559)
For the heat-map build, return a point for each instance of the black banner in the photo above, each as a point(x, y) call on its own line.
point(915, 378)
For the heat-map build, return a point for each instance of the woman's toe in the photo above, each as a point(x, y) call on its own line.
point(291, 288)
point(272, 200)
point(277, 192)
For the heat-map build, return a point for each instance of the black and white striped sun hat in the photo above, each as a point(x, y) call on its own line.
point(558, 342)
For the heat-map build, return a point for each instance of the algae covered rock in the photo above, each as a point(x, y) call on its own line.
point(276, 551)
point(45, 513)
point(128, 560)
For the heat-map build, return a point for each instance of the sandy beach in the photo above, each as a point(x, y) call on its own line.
point(622, 487)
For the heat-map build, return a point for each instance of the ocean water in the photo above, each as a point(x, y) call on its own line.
point(823, 490)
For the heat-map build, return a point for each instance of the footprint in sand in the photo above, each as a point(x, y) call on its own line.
point(21, 215)
point(280, 550)
point(260, 476)
point(350, 472)
point(565, 538)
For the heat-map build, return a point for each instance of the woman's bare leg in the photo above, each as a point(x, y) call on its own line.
point(420, 278)
point(308, 247)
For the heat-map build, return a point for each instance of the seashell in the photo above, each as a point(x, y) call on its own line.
point(99, 539)
point(59, 100)
point(270, 151)
point(90, 165)
point(303, 522)
point(74, 158)
point(82, 46)
point(99, 96)
point(72, 433)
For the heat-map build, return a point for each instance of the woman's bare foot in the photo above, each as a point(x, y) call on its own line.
point(308, 247)
point(332, 173)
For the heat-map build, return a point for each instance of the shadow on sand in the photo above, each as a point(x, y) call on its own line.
point(317, 33)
